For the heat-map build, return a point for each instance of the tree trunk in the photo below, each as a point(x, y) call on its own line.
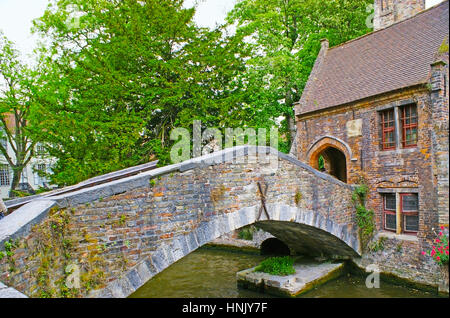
point(15, 181)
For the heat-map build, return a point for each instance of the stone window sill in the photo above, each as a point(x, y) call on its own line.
point(396, 151)
point(401, 237)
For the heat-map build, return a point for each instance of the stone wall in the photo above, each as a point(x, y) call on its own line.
point(122, 233)
point(399, 256)
point(439, 135)
point(388, 12)
point(422, 169)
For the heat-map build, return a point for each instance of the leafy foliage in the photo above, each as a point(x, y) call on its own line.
point(439, 251)
point(246, 233)
point(321, 163)
point(377, 245)
point(284, 36)
point(364, 217)
point(281, 266)
point(17, 87)
point(131, 71)
point(114, 81)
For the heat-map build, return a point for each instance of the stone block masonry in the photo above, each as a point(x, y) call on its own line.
point(122, 233)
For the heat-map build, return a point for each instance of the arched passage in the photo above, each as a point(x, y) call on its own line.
point(333, 154)
point(304, 239)
point(273, 246)
point(334, 163)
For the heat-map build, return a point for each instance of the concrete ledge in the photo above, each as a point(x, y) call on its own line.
point(306, 277)
point(401, 237)
point(9, 292)
point(15, 203)
point(19, 223)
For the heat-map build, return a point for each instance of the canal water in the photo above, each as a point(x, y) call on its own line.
point(212, 273)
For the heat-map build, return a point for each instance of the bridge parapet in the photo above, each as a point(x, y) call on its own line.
point(140, 225)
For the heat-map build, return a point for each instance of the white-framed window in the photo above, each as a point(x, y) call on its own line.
point(39, 180)
point(40, 149)
point(5, 175)
point(24, 176)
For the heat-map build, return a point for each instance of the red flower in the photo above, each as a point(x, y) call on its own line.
point(442, 227)
point(423, 253)
point(438, 241)
point(440, 233)
point(438, 258)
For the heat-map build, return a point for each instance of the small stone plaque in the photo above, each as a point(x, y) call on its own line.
point(354, 128)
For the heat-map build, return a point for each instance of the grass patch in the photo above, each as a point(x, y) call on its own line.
point(280, 266)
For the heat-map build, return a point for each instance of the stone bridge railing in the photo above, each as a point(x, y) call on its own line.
point(122, 233)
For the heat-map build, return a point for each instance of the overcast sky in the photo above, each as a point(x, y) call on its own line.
point(16, 17)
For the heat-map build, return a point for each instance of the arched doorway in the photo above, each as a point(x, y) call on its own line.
point(330, 155)
point(334, 163)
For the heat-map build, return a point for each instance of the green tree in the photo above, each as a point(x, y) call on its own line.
point(119, 75)
point(284, 36)
point(16, 107)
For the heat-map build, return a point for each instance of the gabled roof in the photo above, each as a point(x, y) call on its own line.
point(396, 57)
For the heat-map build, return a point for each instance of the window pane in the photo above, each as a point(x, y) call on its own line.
point(409, 125)
point(390, 221)
point(411, 223)
point(389, 203)
point(4, 175)
point(388, 129)
point(410, 202)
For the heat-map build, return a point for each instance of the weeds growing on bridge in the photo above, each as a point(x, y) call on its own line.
point(298, 197)
point(9, 247)
point(246, 233)
point(51, 247)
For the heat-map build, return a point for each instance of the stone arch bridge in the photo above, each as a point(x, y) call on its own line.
point(157, 217)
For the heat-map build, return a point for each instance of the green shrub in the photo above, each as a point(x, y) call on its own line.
point(246, 234)
point(364, 217)
point(280, 266)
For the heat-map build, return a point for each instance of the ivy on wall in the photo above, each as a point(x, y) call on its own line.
point(364, 217)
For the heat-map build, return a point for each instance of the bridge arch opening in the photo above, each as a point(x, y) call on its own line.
point(308, 240)
point(274, 246)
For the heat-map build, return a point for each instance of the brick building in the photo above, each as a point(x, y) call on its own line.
point(377, 107)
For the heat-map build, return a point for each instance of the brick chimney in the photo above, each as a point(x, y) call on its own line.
point(388, 12)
